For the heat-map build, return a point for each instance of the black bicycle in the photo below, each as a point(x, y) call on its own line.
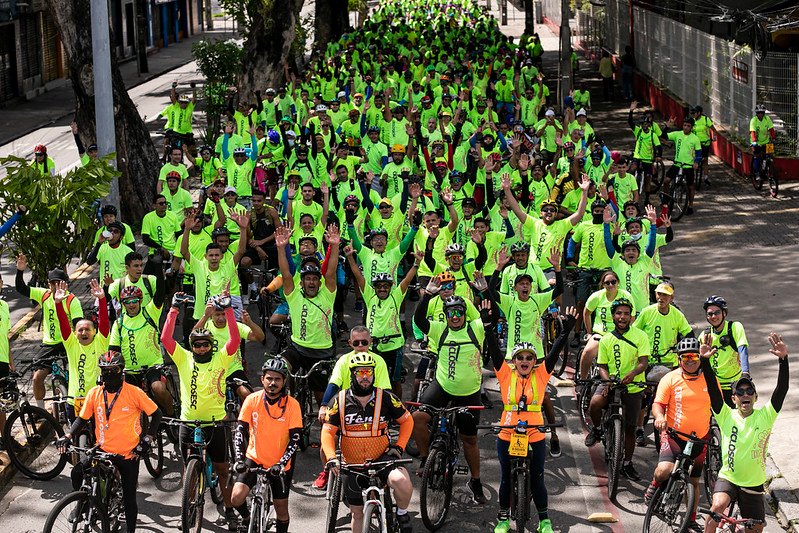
point(767, 171)
point(676, 197)
point(673, 503)
point(97, 507)
point(302, 392)
point(712, 461)
point(262, 512)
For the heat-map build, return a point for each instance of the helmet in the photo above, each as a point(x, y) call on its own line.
point(273, 136)
point(453, 249)
point(275, 364)
point(200, 333)
point(455, 174)
point(687, 345)
point(381, 277)
point(351, 198)
point(42, 149)
point(131, 291)
point(718, 301)
point(446, 277)
point(239, 151)
point(520, 246)
point(599, 203)
point(361, 359)
point(111, 359)
point(379, 231)
point(620, 302)
point(568, 145)
point(205, 148)
point(759, 108)
point(375, 129)
point(220, 231)
point(301, 150)
point(524, 347)
point(633, 220)
point(310, 270)
point(397, 149)
point(630, 243)
point(453, 302)
point(109, 210)
point(597, 154)
point(696, 109)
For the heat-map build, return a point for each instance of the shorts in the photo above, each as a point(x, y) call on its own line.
point(4, 369)
point(588, 280)
point(353, 485)
point(647, 167)
point(304, 358)
point(215, 442)
point(750, 499)
point(237, 305)
point(670, 448)
point(687, 173)
point(282, 309)
point(424, 364)
point(436, 396)
point(705, 150)
point(393, 359)
point(280, 489)
point(43, 360)
point(239, 374)
point(148, 375)
point(253, 256)
point(631, 402)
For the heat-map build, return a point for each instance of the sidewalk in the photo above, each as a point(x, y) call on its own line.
point(25, 116)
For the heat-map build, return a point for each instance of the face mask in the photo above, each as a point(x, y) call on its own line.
point(597, 219)
point(291, 143)
point(202, 359)
point(634, 237)
point(112, 381)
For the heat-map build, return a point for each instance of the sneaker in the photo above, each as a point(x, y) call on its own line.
point(244, 513)
point(545, 526)
point(253, 295)
point(640, 438)
point(475, 486)
point(650, 493)
point(693, 525)
point(405, 523)
point(231, 519)
point(412, 449)
point(554, 448)
point(707, 184)
point(486, 401)
point(321, 480)
point(593, 437)
point(629, 472)
point(503, 526)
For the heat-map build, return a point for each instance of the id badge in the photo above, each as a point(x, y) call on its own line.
point(518, 445)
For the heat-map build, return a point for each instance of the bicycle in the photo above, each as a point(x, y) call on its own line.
point(262, 512)
point(673, 502)
point(677, 197)
point(519, 450)
point(713, 460)
point(266, 304)
point(441, 465)
point(430, 360)
point(198, 476)
point(767, 172)
point(654, 178)
point(30, 434)
point(98, 504)
point(730, 524)
point(303, 394)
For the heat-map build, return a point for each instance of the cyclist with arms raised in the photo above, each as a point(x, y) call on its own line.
point(730, 361)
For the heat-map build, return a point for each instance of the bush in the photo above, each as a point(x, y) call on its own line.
point(220, 63)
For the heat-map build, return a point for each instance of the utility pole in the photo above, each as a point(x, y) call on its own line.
point(565, 52)
point(103, 89)
point(504, 7)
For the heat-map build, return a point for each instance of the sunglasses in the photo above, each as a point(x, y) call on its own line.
point(548, 210)
point(449, 286)
point(201, 344)
point(384, 207)
point(129, 301)
point(748, 391)
point(689, 357)
point(711, 314)
point(364, 372)
point(454, 313)
point(111, 371)
point(360, 342)
point(160, 203)
point(610, 282)
point(530, 358)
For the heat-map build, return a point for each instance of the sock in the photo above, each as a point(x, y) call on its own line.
point(693, 517)
point(40, 403)
point(543, 514)
point(281, 526)
point(401, 512)
point(243, 510)
point(503, 514)
point(655, 483)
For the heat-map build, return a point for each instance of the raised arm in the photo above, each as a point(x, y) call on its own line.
point(282, 235)
point(514, 205)
point(577, 216)
point(59, 296)
point(349, 252)
point(779, 349)
point(569, 320)
point(706, 351)
point(333, 238)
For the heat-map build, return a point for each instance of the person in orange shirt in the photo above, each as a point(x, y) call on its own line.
point(117, 407)
point(681, 402)
point(522, 386)
point(268, 435)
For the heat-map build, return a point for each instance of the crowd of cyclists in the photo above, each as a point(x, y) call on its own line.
point(425, 177)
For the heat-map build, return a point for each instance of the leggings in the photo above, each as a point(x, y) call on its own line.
point(535, 471)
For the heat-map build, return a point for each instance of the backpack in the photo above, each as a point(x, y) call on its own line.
point(469, 332)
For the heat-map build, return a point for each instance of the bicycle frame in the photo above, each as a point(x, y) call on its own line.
point(375, 493)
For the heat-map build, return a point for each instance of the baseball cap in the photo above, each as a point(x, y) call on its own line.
point(385, 201)
point(743, 381)
point(57, 275)
point(230, 189)
point(664, 288)
point(341, 94)
point(549, 113)
point(321, 108)
point(582, 113)
point(521, 277)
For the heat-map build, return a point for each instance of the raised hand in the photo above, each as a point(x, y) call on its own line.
point(332, 235)
point(446, 195)
point(778, 346)
point(505, 181)
point(585, 182)
point(108, 280)
point(608, 215)
point(419, 255)
point(415, 190)
point(282, 235)
point(706, 348)
point(96, 289)
point(479, 282)
point(433, 286)
point(22, 262)
point(651, 215)
point(60, 293)
point(324, 188)
point(524, 162)
point(554, 257)
point(502, 258)
point(666, 220)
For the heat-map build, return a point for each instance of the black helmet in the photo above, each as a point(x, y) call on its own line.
point(379, 231)
point(275, 364)
point(109, 210)
point(620, 302)
point(629, 243)
point(218, 232)
point(205, 148)
point(111, 359)
point(520, 246)
point(687, 345)
point(718, 301)
point(599, 203)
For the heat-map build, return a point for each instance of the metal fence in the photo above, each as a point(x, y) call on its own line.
point(699, 68)
point(551, 10)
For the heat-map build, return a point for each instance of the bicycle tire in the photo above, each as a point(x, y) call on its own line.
point(757, 178)
point(305, 400)
point(193, 497)
point(584, 402)
point(256, 525)
point(656, 180)
point(372, 518)
point(436, 478)
point(333, 500)
point(172, 431)
point(670, 507)
point(679, 200)
point(65, 507)
point(613, 453)
point(154, 459)
point(563, 357)
point(773, 180)
point(712, 462)
point(39, 431)
point(216, 491)
point(521, 500)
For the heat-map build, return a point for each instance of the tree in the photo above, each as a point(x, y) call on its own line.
point(220, 63)
point(61, 210)
point(332, 20)
point(137, 159)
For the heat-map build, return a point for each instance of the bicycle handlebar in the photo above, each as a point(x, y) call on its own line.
point(196, 423)
point(441, 410)
point(322, 362)
point(748, 523)
point(378, 465)
point(692, 437)
point(542, 428)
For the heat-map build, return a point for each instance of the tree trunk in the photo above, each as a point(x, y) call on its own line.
point(137, 159)
point(331, 21)
point(268, 45)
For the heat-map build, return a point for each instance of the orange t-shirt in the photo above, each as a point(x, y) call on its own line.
point(539, 377)
point(269, 431)
point(687, 403)
point(119, 431)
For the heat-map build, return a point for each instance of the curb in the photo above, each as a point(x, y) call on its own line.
point(781, 497)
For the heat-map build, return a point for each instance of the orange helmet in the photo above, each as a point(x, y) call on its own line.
point(446, 277)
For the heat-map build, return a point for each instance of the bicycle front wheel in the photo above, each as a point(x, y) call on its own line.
point(614, 452)
point(372, 518)
point(679, 200)
point(256, 514)
point(656, 180)
point(554, 328)
point(193, 500)
point(436, 492)
point(154, 460)
point(29, 436)
point(670, 508)
point(521, 500)
point(333, 499)
point(74, 514)
point(773, 180)
point(712, 462)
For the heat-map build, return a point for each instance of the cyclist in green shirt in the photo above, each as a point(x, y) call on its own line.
point(159, 229)
point(86, 155)
point(43, 163)
point(648, 148)
point(730, 360)
point(761, 133)
point(745, 432)
point(687, 158)
point(110, 252)
point(177, 198)
point(706, 132)
point(206, 165)
point(175, 164)
point(134, 275)
point(633, 267)
point(623, 354)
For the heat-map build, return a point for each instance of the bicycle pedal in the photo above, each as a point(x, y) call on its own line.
point(462, 469)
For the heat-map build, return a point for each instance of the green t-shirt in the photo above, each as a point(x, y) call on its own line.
point(543, 238)
point(138, 337)
point(373, 262)
point(202, 385)
point(621, 357)
point(599, 305)
point(662, 331)
point(762, 129)
point(702, 129)
point(726, 362)
point(549, 134)
point(743, 461)
point(147, 287)
point(509, 274)
point(112, 260)
point(623, 187)
point(197, 244)
point(127, 238)
point(591, 238)
point(435, 313)
point(494, 241)
point(685, 147)
point(524, 319)
point(82, 364)
point(311, 318)
point(221, 336)
point(180, 168)
point(383, 317)
point(240, 176)
point(5, 325)
point(179, 201)
point(161, 229)
point(340, 375)
point(208, 169)
point(634, 278)
point(459, 360)
point(645, 143)
point(51, 332)
point(209, 282)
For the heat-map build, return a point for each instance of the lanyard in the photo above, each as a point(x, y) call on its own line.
point(108, 408)
point(283, 412)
